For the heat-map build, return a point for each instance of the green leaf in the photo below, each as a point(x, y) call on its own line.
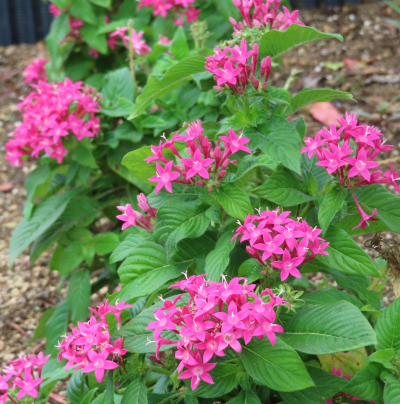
point(173, 78)
point(234, 200)
point(76, 387)
point(391, 392)
point(279, 139)
point(174, 225)
point(58, 31)
point(120, 109)
point(166, 398)
point(40, 331)
point(218, 259)
point(365, 384)
point(245, 397)
point(328, 328)
point(383, 357)
point(179, 47)
point(102, 3)
point(35, 178)
point(250, 162)
point(176, 222)
point(387, 204)
point(106, 243)
point(283, 188)
point(71, 257)
point(330, 205)
point(118, 84)
point(139, 168)
point(126, 247)
point(275, 43)
point(393, 4)
point(224, 377)
point(88, 397)
point(388, 327)
point(83, 156)
point(147, 270)
point(279, 367)
point(84, 11)
point(357, 285)
point(309, 95)
point(345, 255)
point(79, 292)
point(93, 39)
point(43, 216)
point(330, 295)
point(56, 326)
point(251, 269)
point(326, 386)
point(135, 393)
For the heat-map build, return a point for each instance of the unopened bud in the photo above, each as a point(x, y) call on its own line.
point(210, 189)
point(221, 174)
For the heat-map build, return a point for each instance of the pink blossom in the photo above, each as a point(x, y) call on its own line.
point(232, 319)
point(3, 382)
point(288, 265)
point(164, 177)
point(54, 10)
point(312, 145)
point(364, 217)
point(36, 71)
point(228, 74)
point(163, 322)
point(28, 386)
point(271, 245)
point(197, 165)
point(198, 372)
point(210, 347)
point(269, 329)
point(231, 339)
point(236, 143)
point(361, 165)
point(393, 177)
point(99, 364)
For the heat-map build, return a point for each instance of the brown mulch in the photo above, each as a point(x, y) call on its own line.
point(371, 52)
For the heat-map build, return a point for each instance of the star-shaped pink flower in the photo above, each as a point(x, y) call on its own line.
point(164, 177)
point(197, 165)
point(236, 143)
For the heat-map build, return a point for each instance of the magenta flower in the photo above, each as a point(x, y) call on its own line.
point(269, 329)
point(260, 309)
point(219, 56)
point(251, 325)
point(117, 350)
point(39, 361)
point(163, 322)
point(89, 338)
point(197, 327)
point(232, 319)
point(288, 265)
point(186, 357)
point(361, 165)
point(197, 165)
point(333, 161)
point(3, 382)
point(227, 75)
point(129, 217)
point(271, 245)
point(3, 399)
point(393, 177)
point(99, 364)
point(365, 135)
point(312, 145)
point(364, 217)
point(240, 55)
point(28, 386)
point(198, 372)
point(236, 143)
point(210, 347)
point(290, 233)
point(164, 177)
point(231, 339)
point(117, 309)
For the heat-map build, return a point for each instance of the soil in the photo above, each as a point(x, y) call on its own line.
point(369, 68)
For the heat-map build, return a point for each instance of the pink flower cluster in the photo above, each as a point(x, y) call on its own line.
point(89, 345)
point(218, 315)
point(50, 113)
point(348, 154)
point(133, 218)
point(263, 15)
point(54, 10)
point(21, 373)
point(135, 38)
point(36, 71)
point(203, 161)
point(285, 242)
point(178, 9)
point(339, 373)
point(236, 71)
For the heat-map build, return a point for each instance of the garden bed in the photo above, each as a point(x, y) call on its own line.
point(370, 72)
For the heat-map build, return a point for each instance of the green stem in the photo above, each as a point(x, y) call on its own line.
point(131, 62)
point(162, 371)
point(374, 285)
point(151, 300)
point(246, 105)
point(306, 210)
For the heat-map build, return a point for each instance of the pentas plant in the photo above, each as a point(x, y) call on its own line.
point(24, 374)
point(89, 345)
point(131, 217)
point(257, 14)
point(36, 71)
point(219, 316)
point(50, 114)
point(283, 242)
point(237, 70)
point(206, 165)
point(348, 154)
point(177, 8)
